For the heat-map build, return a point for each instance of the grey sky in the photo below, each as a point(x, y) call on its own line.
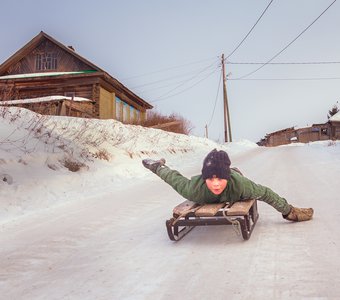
point(168, 52)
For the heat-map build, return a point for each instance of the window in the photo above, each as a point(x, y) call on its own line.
point(125, 113)
point(46, 61)
point(134, 115)
point(118, 105)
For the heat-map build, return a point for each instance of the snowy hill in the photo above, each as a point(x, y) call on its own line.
point(37, 153)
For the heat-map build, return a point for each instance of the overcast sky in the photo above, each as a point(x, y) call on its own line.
point(169, 53)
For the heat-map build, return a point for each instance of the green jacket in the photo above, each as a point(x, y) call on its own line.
point(238, 188)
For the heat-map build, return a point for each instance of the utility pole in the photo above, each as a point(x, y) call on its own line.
point(227, 126)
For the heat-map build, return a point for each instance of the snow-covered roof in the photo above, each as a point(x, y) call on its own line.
point(335, 118)
point(29, 75)
point(44, 99)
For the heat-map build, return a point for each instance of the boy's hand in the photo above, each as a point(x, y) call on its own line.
point(153, 165)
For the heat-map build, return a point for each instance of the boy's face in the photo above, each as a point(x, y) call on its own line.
point(216, 185)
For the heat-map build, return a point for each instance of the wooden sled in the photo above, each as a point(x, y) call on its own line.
point(242, 215)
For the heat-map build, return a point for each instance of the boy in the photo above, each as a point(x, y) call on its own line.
point(219, 183)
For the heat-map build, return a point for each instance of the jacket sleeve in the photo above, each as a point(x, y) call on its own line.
point(252, 190)
point(179, 183)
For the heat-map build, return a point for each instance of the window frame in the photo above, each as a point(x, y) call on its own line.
point(46, 61)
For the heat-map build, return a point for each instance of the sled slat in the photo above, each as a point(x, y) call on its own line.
point(209, 210)
point(240, 208)
point(183, 207)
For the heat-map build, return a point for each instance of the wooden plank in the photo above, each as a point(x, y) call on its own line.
point(209, 210)
point(184, 207)
point(240, 208)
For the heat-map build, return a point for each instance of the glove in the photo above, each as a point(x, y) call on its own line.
point(153, 165)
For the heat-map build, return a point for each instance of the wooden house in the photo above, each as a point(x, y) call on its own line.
point(45, 68)
point(278, 138)
point(316, 132)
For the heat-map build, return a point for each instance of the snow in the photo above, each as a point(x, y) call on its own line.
point(99, 233)
point(43, 99)
point(335, 118)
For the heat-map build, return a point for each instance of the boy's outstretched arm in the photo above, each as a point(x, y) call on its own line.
point(177, 181)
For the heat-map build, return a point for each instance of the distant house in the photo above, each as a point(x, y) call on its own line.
point(316, 132)
point(51, 78)
point(277, 138)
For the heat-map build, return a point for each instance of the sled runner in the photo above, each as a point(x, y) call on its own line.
point(242, 215)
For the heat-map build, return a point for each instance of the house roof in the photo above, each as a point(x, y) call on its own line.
point(31, 45)
point(280, 131)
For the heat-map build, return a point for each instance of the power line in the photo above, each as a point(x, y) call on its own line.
point(289, 44)
point(284, 63)
point(183, 83)
point(164, 98)
point(170, 68)
point(230, 63)
point(166, 79)
point(182, 91)
point(163, 86)
point(285, 79)
point(249, 30)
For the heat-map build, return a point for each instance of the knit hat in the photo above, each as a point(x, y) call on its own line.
point(216, 164)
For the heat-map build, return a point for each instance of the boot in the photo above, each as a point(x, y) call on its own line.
point(299, 214)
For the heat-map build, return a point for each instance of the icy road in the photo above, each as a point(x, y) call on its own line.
point(112, 243)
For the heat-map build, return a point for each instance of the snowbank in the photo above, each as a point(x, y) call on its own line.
point(40, 152)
